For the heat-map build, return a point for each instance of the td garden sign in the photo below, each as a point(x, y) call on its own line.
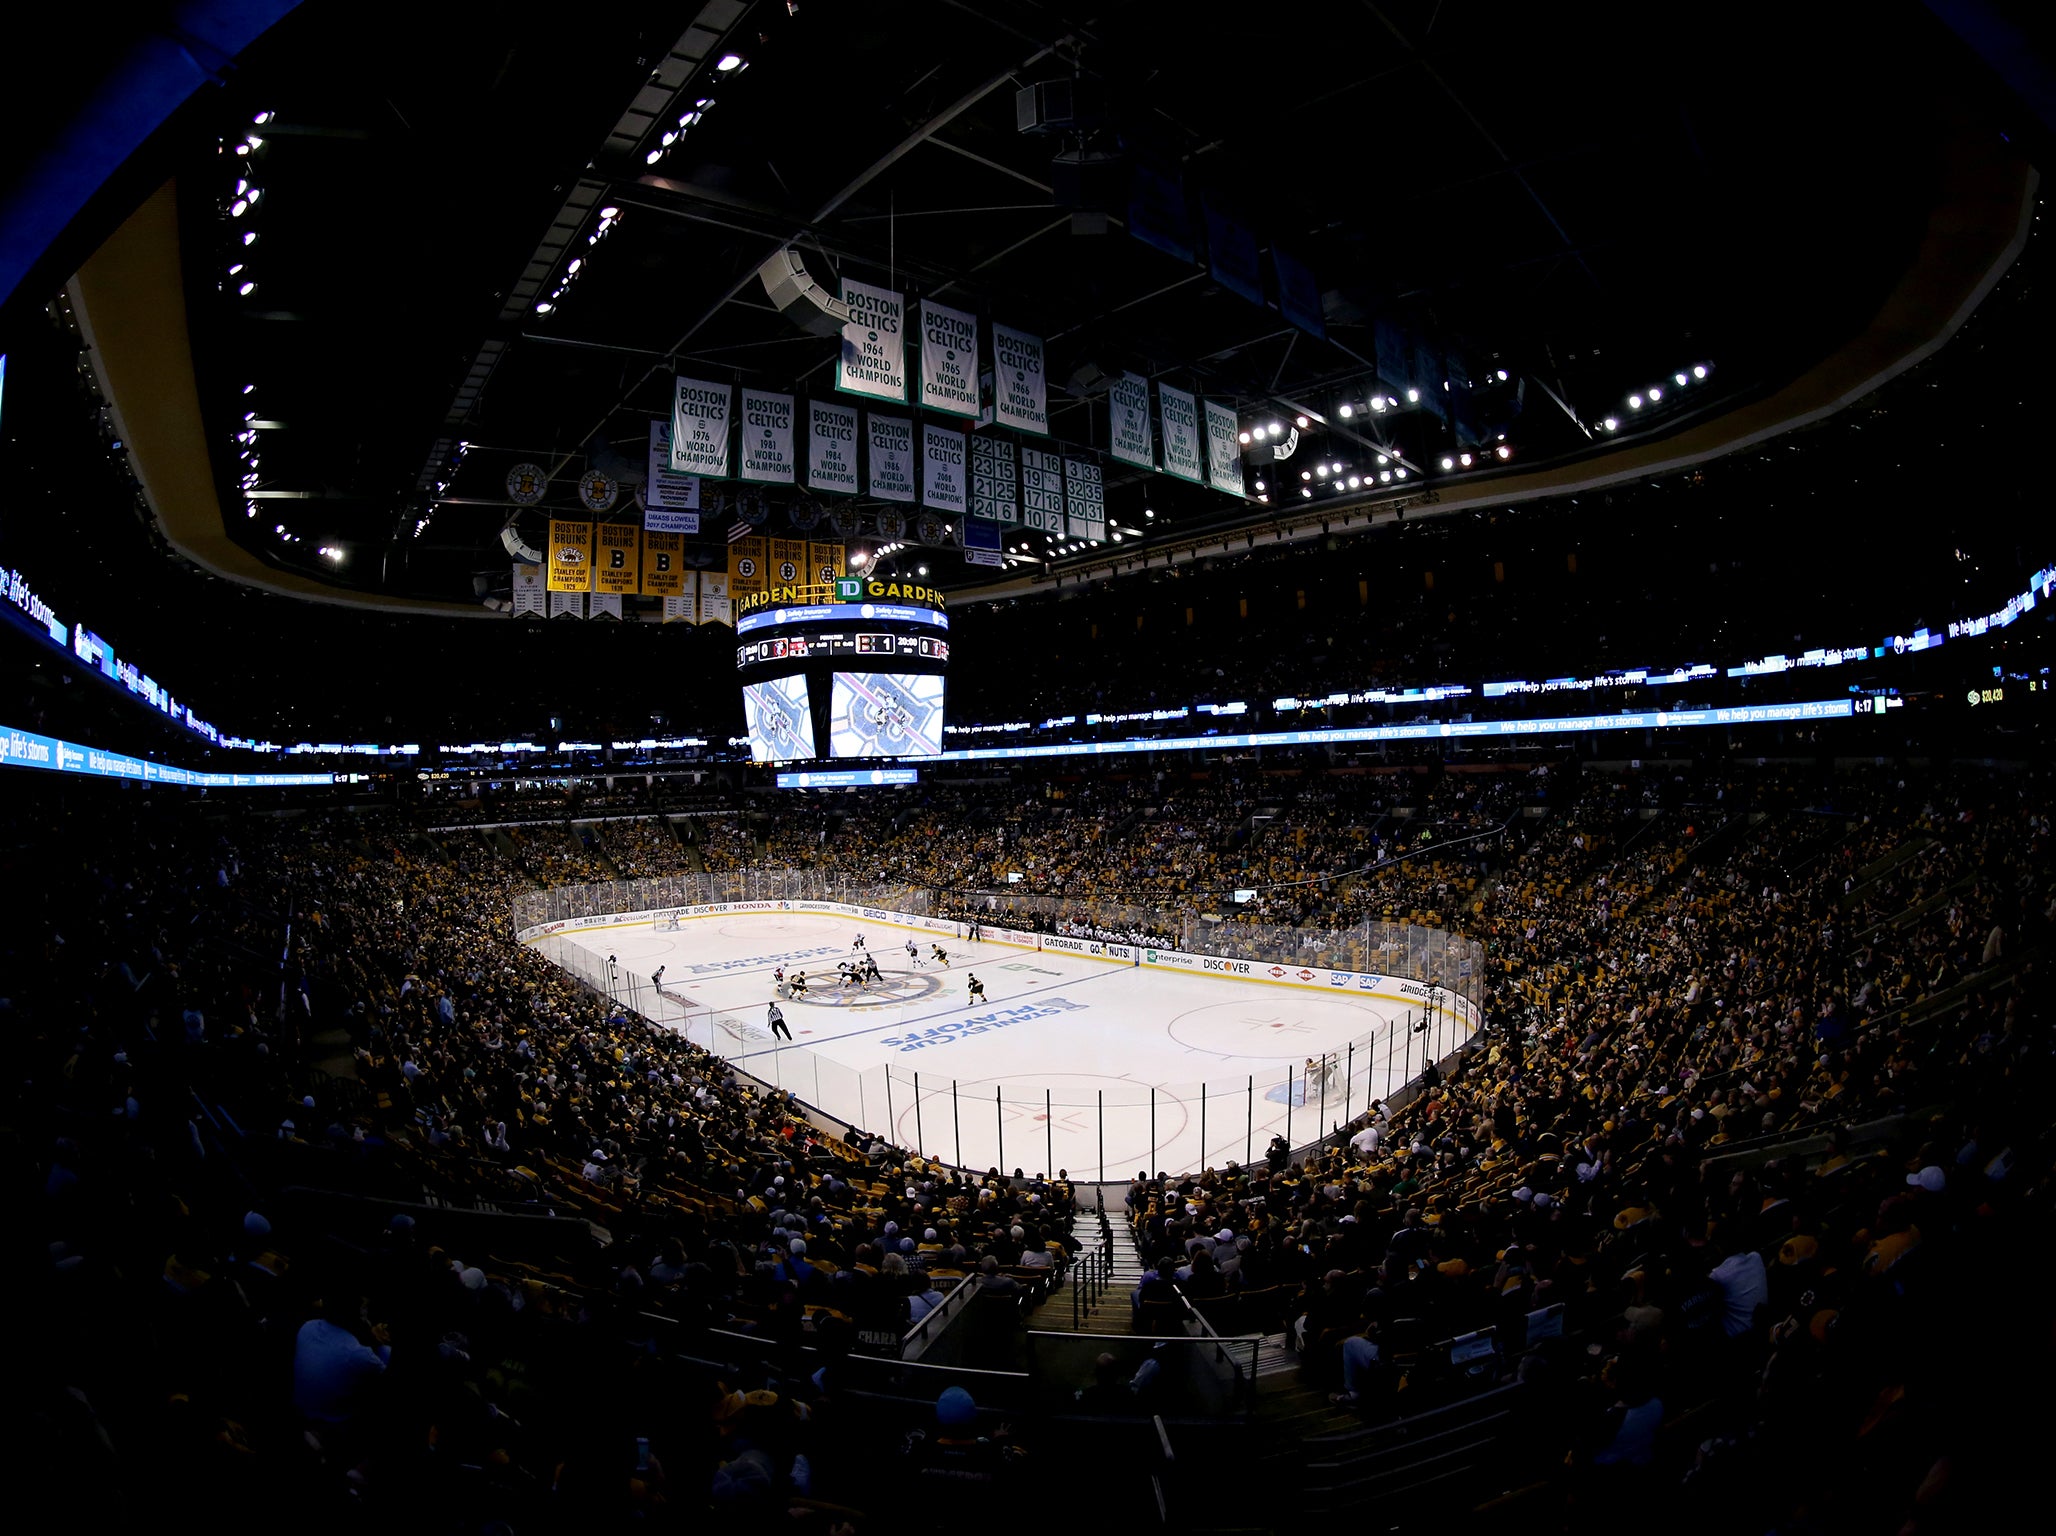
point(847, 589)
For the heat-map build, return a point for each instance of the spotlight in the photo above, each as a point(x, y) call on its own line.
point(1448, 462)
point(1383, 459)
point(1612, 423)
point(1306, 474)
point(1301, 422)
point(1147, 513)
point(1400, 473)
point(249, 237)
point(1355, 482)
point(1275, 430)
point(1634, 402)
point(1345, 410)
point(1306, 490)
point(248, 388)
point(1242, 438)
point(1322, 470)
point(238, 208)
point(1337, 466)
point(1464, 459)
point(1259, 485)
point(1377, 402)
point(920, 570)
point(263, 117)
point(653, 157)
point(1502, 375)
point(232, 271)
point(610, 212)
point(1384, 477)
point(728, 63)
point(544, 306)
point(243, 149)
point(247, 289)
point(1504, 452)
point(1413, 397)
point(1699, 372)
point(1682, 381)
point(1655, 393)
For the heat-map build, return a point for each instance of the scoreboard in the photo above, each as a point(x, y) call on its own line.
point(872, 645)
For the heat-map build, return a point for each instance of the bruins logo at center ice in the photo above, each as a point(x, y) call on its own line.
point(825, 987)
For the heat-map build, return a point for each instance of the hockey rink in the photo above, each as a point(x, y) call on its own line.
point(1098, 1066)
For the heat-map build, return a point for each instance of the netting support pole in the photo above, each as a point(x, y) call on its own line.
point(1049, 1133)
point(917, 1116)
point(1202, 1125)
point(956, 1115)
point(1249, 1129)
point(1102, 1135)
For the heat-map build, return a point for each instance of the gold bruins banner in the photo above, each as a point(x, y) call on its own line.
point(788, 562)
point(616, 567)
point(825, 562)
point(663, 572)
point(746, 562)
point(571, 556)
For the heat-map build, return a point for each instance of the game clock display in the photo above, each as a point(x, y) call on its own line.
point(808, 647)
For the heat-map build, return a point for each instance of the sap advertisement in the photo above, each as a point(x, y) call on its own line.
point(885, 714)
point(781, 727)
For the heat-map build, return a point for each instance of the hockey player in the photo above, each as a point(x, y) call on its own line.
point(798, 985)
point(657, 978)
point(974, 991)
point(941, 959)
point(857, 944)
point(914, 954)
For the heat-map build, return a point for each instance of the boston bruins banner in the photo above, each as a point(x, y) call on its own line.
point(832, 448)
point(746, 560)
point(995, 483)
point(874, 344)
point(825, 562)
point(788, 562)
point(663, 565)
point(603, 605)
point(892, 456)
point(767, 437)
point(528, 592)
point(716, 606)
point(949, 360)
point(943, 486)
point(1084, 499)
point(1042, 490)
point(571, 558)
point(617, 567)
point(1128, 406)
point(1223, 457)
point(1020, 392)
point(699, 427)
point(1183, 455)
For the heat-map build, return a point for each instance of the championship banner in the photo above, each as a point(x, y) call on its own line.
point(874, 344)
point(617, 567)
point(1128, 405)
point(666, 495)
point(567, 605)
point(827, 562)
point(942, 469)
point(892, 456)
point(571, 558)
point(995, 482)
point(604, 605)
point(949, 360)
point(767, 453)
point(1183, 455)
point(832, 448)
point(716, 606)
point(788, 562)
point(699, 427)
point(1020, 390)
point(1223, 457)
point(746, 558)
point(1042, 490)
point(663, 572)
point(680, 610)
point(528, 592)
point(1085, 499)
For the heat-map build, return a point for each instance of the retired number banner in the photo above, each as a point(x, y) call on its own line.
point(874, 344)
point(949, 360)
point(1042, 490)
point(892, 457)
point(699, 427)
point(1085, 499)
point(1223, 455)
point(1183, 455)
point(571, 557)
point(767, 437)
point(1128, 406)
point(832, 448)
point(995, 483)
point(942, 469)
point(1020, 392)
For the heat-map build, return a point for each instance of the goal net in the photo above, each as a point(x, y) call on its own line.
point(665, 922)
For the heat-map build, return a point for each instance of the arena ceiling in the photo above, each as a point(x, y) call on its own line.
point(1576, 204)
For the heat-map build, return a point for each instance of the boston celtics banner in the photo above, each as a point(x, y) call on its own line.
point(663, 565)
point(1223, 456)
point(767, 451)
point(528, 591)
point(1128, 405)
point(826, 562)
point(943, 486)
point(746, 562)
point(892, 456)
point(949, 360)
point(995, 483)
point(699, 427)
point(1042, 490)
point(1183, 455)
point(1084, 499)
point(832, 448)
point(1020, 391)
point(874, 344)
point(617, 567)
point(571, 558)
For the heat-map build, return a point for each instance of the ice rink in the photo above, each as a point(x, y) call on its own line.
point(1098, 1066)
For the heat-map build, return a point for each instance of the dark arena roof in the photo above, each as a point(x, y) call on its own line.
point(1422, 627)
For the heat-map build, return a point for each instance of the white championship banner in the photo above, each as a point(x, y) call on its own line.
point(567, 605)
point(832, 448)
point(874, 344)
point(1084, 499)
point(1020, 390)
point(1223, 454)
point(528, 592)
point(671, 502)
point(767, 437)
point(1042, 490)
point(995, 482)
point(603, 605)
point(891, 445)
point(699, 427)
point(1128, 409)
point(679, 610)
point(1183, 455)
point(716, 607)
point(949, 360)
point(943, 485)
